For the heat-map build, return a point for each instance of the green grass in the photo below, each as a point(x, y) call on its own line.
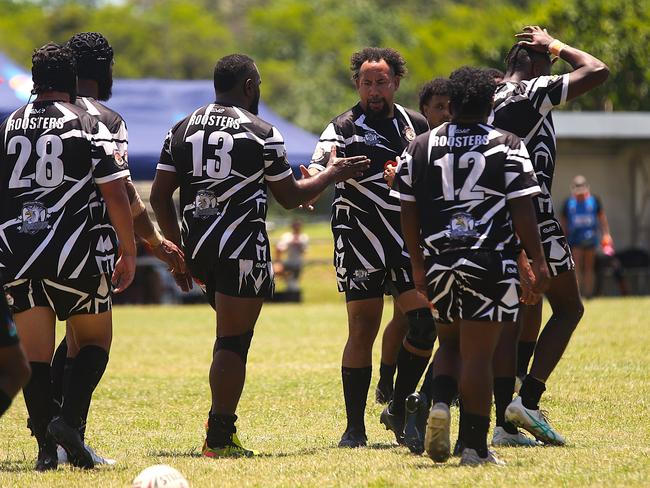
point(154, 398)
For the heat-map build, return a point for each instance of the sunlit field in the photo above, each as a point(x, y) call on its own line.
point(153, 401)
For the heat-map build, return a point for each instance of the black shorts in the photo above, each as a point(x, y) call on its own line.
point(556, 248)
point(361, 284)
point(243, 278)
point(8, 333)
point(474, 285)
point(67, 297)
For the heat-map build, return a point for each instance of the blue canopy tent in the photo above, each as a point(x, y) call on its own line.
point(150, 108)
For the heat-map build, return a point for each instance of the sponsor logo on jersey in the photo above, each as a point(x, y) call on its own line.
point(205, 204)
point(360, 275)
point(547, 229)
point(371, 138)
point(462, 226)
point(119, 159)
point(409, 134)
point(34, 218)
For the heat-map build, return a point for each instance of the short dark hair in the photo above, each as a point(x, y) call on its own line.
point(93, 53)
point(437, 86)
point(391, 56)
point(471, 91)
point(495, 73)
point(520, 55)
point(54, 69)
point(232, 69)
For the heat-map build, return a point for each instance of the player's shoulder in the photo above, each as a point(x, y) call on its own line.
point(109, 117)
point(254, 123)
point(497, 136)
point(418, 120)
point(348, 118)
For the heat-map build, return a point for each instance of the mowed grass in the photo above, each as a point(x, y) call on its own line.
point(153, 401)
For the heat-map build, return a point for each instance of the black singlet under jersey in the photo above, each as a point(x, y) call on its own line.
point(524, 108)
point(111, 119)
point(53, 221)
point(223, 156)
point(365, 217)
point(461, 176)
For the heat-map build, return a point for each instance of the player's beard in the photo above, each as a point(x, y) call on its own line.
point(382, 113)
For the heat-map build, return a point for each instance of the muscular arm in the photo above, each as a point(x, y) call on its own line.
point(588, 71)
point(162, 190)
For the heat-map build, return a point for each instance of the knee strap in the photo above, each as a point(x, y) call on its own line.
point(238, 344)
point(422, 329)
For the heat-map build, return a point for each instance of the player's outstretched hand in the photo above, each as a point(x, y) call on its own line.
point(124, 273)
point(535, 37)
point(346, 168)
point(170, 254)
point(527, 279)
point(304, 171)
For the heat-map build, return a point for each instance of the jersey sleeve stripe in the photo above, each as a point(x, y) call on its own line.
point(165, 167)
point(279, 177)
point(112, 177)
point(319, 167)
point(533, 190)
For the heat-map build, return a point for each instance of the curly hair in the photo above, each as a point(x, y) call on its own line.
point(471, 91)
point(521, 55)
point(231, 70)
point(93, 53)
point(54, 69)
point(391, 56)
point(497, 74)
point(437, 86)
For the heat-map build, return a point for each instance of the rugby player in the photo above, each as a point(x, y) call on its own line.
point(465, 188)
point(223, 157)
point(94, 56)
point(523, 104)
point(369, 253)
point(63, 208)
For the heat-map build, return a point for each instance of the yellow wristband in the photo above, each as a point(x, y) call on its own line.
point(155, 239)
point(555, 47)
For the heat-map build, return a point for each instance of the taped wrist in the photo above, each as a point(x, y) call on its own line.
point(555, 47)
point(422, 329)
point(137, 206)
point(155, 239)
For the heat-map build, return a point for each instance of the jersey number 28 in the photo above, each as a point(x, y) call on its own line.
point(49, 166)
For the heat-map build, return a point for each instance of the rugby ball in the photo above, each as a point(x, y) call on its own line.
point(160, 476)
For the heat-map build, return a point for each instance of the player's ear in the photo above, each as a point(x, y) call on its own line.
point(396, 81)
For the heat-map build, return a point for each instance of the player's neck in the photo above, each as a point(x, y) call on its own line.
point(469, 120)
point(515, 77)
point(53, 96)
point(87, 88)
point(230, 99)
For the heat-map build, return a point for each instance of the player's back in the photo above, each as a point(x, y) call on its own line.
point(53, 220)
point(222, 156)
point(461, 176)
point(110, 118)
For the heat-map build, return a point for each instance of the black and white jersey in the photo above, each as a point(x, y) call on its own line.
point(365, 217)
point(53, 221)
point(223, 156)
point(461, 176)
point(112, 120)
point(524, 108)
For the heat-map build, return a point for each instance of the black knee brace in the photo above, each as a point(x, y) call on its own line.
point(422, 329)
point(238, 344)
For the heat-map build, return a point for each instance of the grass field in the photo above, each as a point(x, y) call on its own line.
point(153, 401)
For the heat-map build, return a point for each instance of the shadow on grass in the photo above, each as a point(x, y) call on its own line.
point(195, 453)
point(16, 466)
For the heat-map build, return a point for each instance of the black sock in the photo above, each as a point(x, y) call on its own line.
point(409, 371)
point(387, 373)
point(356, 382)
point(474, 433)
point(88, 368)
point(38, 399)
point(504, 389)
point(531, 392)
point(525, 351)
point(5, 402)
point(427, 383)
point(444, 389)
point(221, 427)
point(59, 363)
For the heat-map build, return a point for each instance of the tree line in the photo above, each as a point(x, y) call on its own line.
point(303, 47)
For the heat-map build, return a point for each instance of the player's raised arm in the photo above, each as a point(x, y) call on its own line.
point(588, 71)
point(291, 193)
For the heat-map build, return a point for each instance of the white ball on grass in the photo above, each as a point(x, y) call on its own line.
point(160, 476)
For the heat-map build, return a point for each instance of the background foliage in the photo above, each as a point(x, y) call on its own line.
point(303, 47)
